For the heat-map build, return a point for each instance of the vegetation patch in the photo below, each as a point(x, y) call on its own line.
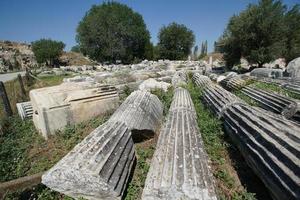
point(25, 152)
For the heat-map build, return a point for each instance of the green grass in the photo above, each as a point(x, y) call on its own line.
point(217, 148)
point(25, 152)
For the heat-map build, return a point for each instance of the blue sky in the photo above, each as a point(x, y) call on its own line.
point(29, 20)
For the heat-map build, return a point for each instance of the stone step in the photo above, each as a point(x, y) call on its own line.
point(141, 110)
point(201, 80)
point(270, 145)
point(180, 167)
point(179, 78)
point(276, 103)
point(218, 99)
point(98, 167)
point(25, 110)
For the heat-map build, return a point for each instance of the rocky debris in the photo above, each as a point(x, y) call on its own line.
point(98, 167)
point(75, 59)
point(141, 110)
point(270, 144)
point(180, 167)
point(267, 73)
point(179, 78)
point(293, 68)
point(201, 80)
point(218, 99)
point(15, 56)
point(79, 79)
point(25, 110)
point(278, 63)
point(276, 103)
point(151, 84)
point(70, 103)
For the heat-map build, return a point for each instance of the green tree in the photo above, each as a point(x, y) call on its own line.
point(175, 41)
point(292, 23)
point(76, 49)
point(256, 33)
point(47, 51)
point(113, 31)
point(195, 53)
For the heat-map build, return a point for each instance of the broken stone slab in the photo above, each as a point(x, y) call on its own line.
point(98, 167)
point(293, 68)
point(151, 84)
point(276, 103)
point(179, 78)
point(271, 146)
point(180, 167)
point(201, 80)
point(218, 99)
point(70, 103)
point(25, 110)
point(267, 73)
point(141, 110)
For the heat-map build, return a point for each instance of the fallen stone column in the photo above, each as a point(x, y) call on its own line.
point(218, 99)
point(141, 110)
point(201, 80)
point(270, 145)
point(179, 78)
point(98, 167)
point(233, 83)
point(25, 110)
point(180, 168)
point(292, 87)
point(274, 102)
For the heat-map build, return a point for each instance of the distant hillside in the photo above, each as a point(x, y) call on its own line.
point(15, 56)
point(18, 56)
point(74, 59)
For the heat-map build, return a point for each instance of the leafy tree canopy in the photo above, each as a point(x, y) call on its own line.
point(175, 41)
point(47, 50)
point(257, 34)
point(113, 31)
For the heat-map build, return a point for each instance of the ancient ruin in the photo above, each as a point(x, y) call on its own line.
point(180, 168)
point(201, 80)
point(98, 167)
point(70, 103)
point(25, 110)
point(141, 110)
point(276, 103)
point(179, 78)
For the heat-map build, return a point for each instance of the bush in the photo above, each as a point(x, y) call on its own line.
point(47, 51)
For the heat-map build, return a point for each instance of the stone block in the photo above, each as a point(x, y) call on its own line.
point(25, 110)
point(70, 103)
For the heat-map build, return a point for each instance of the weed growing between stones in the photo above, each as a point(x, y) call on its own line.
point(218, 148)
